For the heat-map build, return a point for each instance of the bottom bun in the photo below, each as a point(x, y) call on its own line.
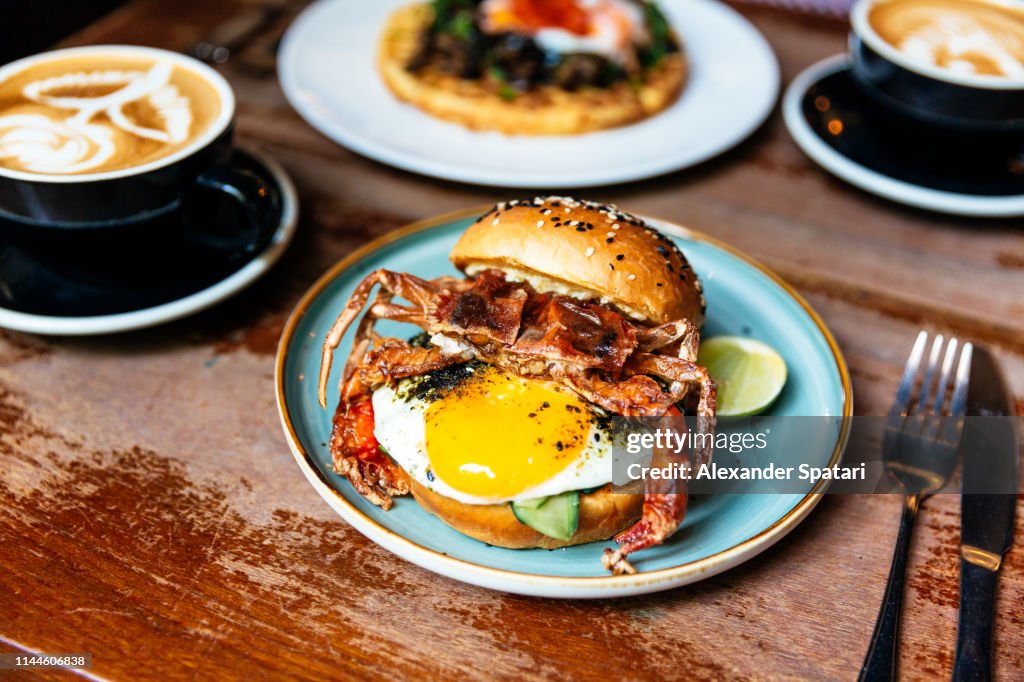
point(603, 513)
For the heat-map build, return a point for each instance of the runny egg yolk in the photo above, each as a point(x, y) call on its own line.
point(497, 435)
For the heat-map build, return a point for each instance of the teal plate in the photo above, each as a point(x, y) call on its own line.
point(719, 532)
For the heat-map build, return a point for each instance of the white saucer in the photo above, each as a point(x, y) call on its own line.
point(873, 181)
point(327, 70)
point(192, 303)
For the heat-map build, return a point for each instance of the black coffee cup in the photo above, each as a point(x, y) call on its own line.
point(930, 94)
point(135, 195)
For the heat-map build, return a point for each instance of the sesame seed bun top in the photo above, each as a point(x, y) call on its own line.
point(587, 250)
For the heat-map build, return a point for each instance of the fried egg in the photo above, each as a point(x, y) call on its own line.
point(482, 436)
point(604, 27)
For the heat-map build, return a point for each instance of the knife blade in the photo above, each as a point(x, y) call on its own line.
point(987, 507)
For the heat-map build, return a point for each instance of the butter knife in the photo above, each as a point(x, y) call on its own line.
point(987, 508)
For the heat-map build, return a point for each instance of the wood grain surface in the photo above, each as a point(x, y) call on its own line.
point(151, 514)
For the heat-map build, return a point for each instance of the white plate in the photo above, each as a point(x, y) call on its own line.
point(870, 180)
point(193, 303)
point(327, 70)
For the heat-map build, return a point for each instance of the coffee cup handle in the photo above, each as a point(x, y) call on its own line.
point(259, 200)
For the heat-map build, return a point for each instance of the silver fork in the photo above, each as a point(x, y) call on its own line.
point(919, 450)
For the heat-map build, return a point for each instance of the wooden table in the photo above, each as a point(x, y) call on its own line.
point(153, 516)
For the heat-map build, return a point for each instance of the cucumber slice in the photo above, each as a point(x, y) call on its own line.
point(557, 516)
point(535, 503)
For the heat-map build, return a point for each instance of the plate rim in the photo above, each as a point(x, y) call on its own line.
point(530, 583)
point(197, 301)
point(870, 180)
point(428, 167)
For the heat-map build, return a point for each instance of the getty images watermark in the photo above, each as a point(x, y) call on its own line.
point(759, 455)
point(679, 443)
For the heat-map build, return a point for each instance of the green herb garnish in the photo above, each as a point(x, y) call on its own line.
point(661, 35)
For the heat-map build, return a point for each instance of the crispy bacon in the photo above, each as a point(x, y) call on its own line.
point(491, 308)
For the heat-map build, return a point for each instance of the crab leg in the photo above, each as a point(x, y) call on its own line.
point(365, 335)
point(665, 499)
point(418, 291)
point(637, 396)
point(682, 373)
point(663, 512)
point(681, 331)
point(398, 313)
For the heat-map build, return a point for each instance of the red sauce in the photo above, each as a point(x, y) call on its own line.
point(565, 14)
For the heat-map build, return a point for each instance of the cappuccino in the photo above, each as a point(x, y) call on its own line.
point(94, 113)
point(966, 37)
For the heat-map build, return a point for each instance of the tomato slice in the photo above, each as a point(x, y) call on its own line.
point(565, 14)
point(358, 434)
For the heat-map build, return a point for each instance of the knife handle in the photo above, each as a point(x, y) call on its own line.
point(880, 661)
point(973, 659)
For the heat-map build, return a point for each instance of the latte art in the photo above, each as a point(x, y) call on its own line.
point(37, 143)
point(92, 114)
point(961, 36)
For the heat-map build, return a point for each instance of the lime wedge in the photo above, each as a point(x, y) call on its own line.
point(750, 374)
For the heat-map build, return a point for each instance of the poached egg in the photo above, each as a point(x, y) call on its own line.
point(608, 28)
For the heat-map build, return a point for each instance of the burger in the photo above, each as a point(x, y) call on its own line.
point(533, 67)
point(497, 417)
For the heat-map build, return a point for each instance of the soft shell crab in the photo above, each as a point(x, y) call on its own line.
point(622, 366)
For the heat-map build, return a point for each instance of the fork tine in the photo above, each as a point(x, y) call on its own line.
point(900, 404)
point(946, 377)
point(958, 404)
point(933, 420)
point(929, 374)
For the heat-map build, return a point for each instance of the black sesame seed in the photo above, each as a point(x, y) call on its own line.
point(430, 475)
point(581, 229)
point(609, 240)
point(661, 284)
point(620, 256)
point(559, 446)
point(611, 266)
